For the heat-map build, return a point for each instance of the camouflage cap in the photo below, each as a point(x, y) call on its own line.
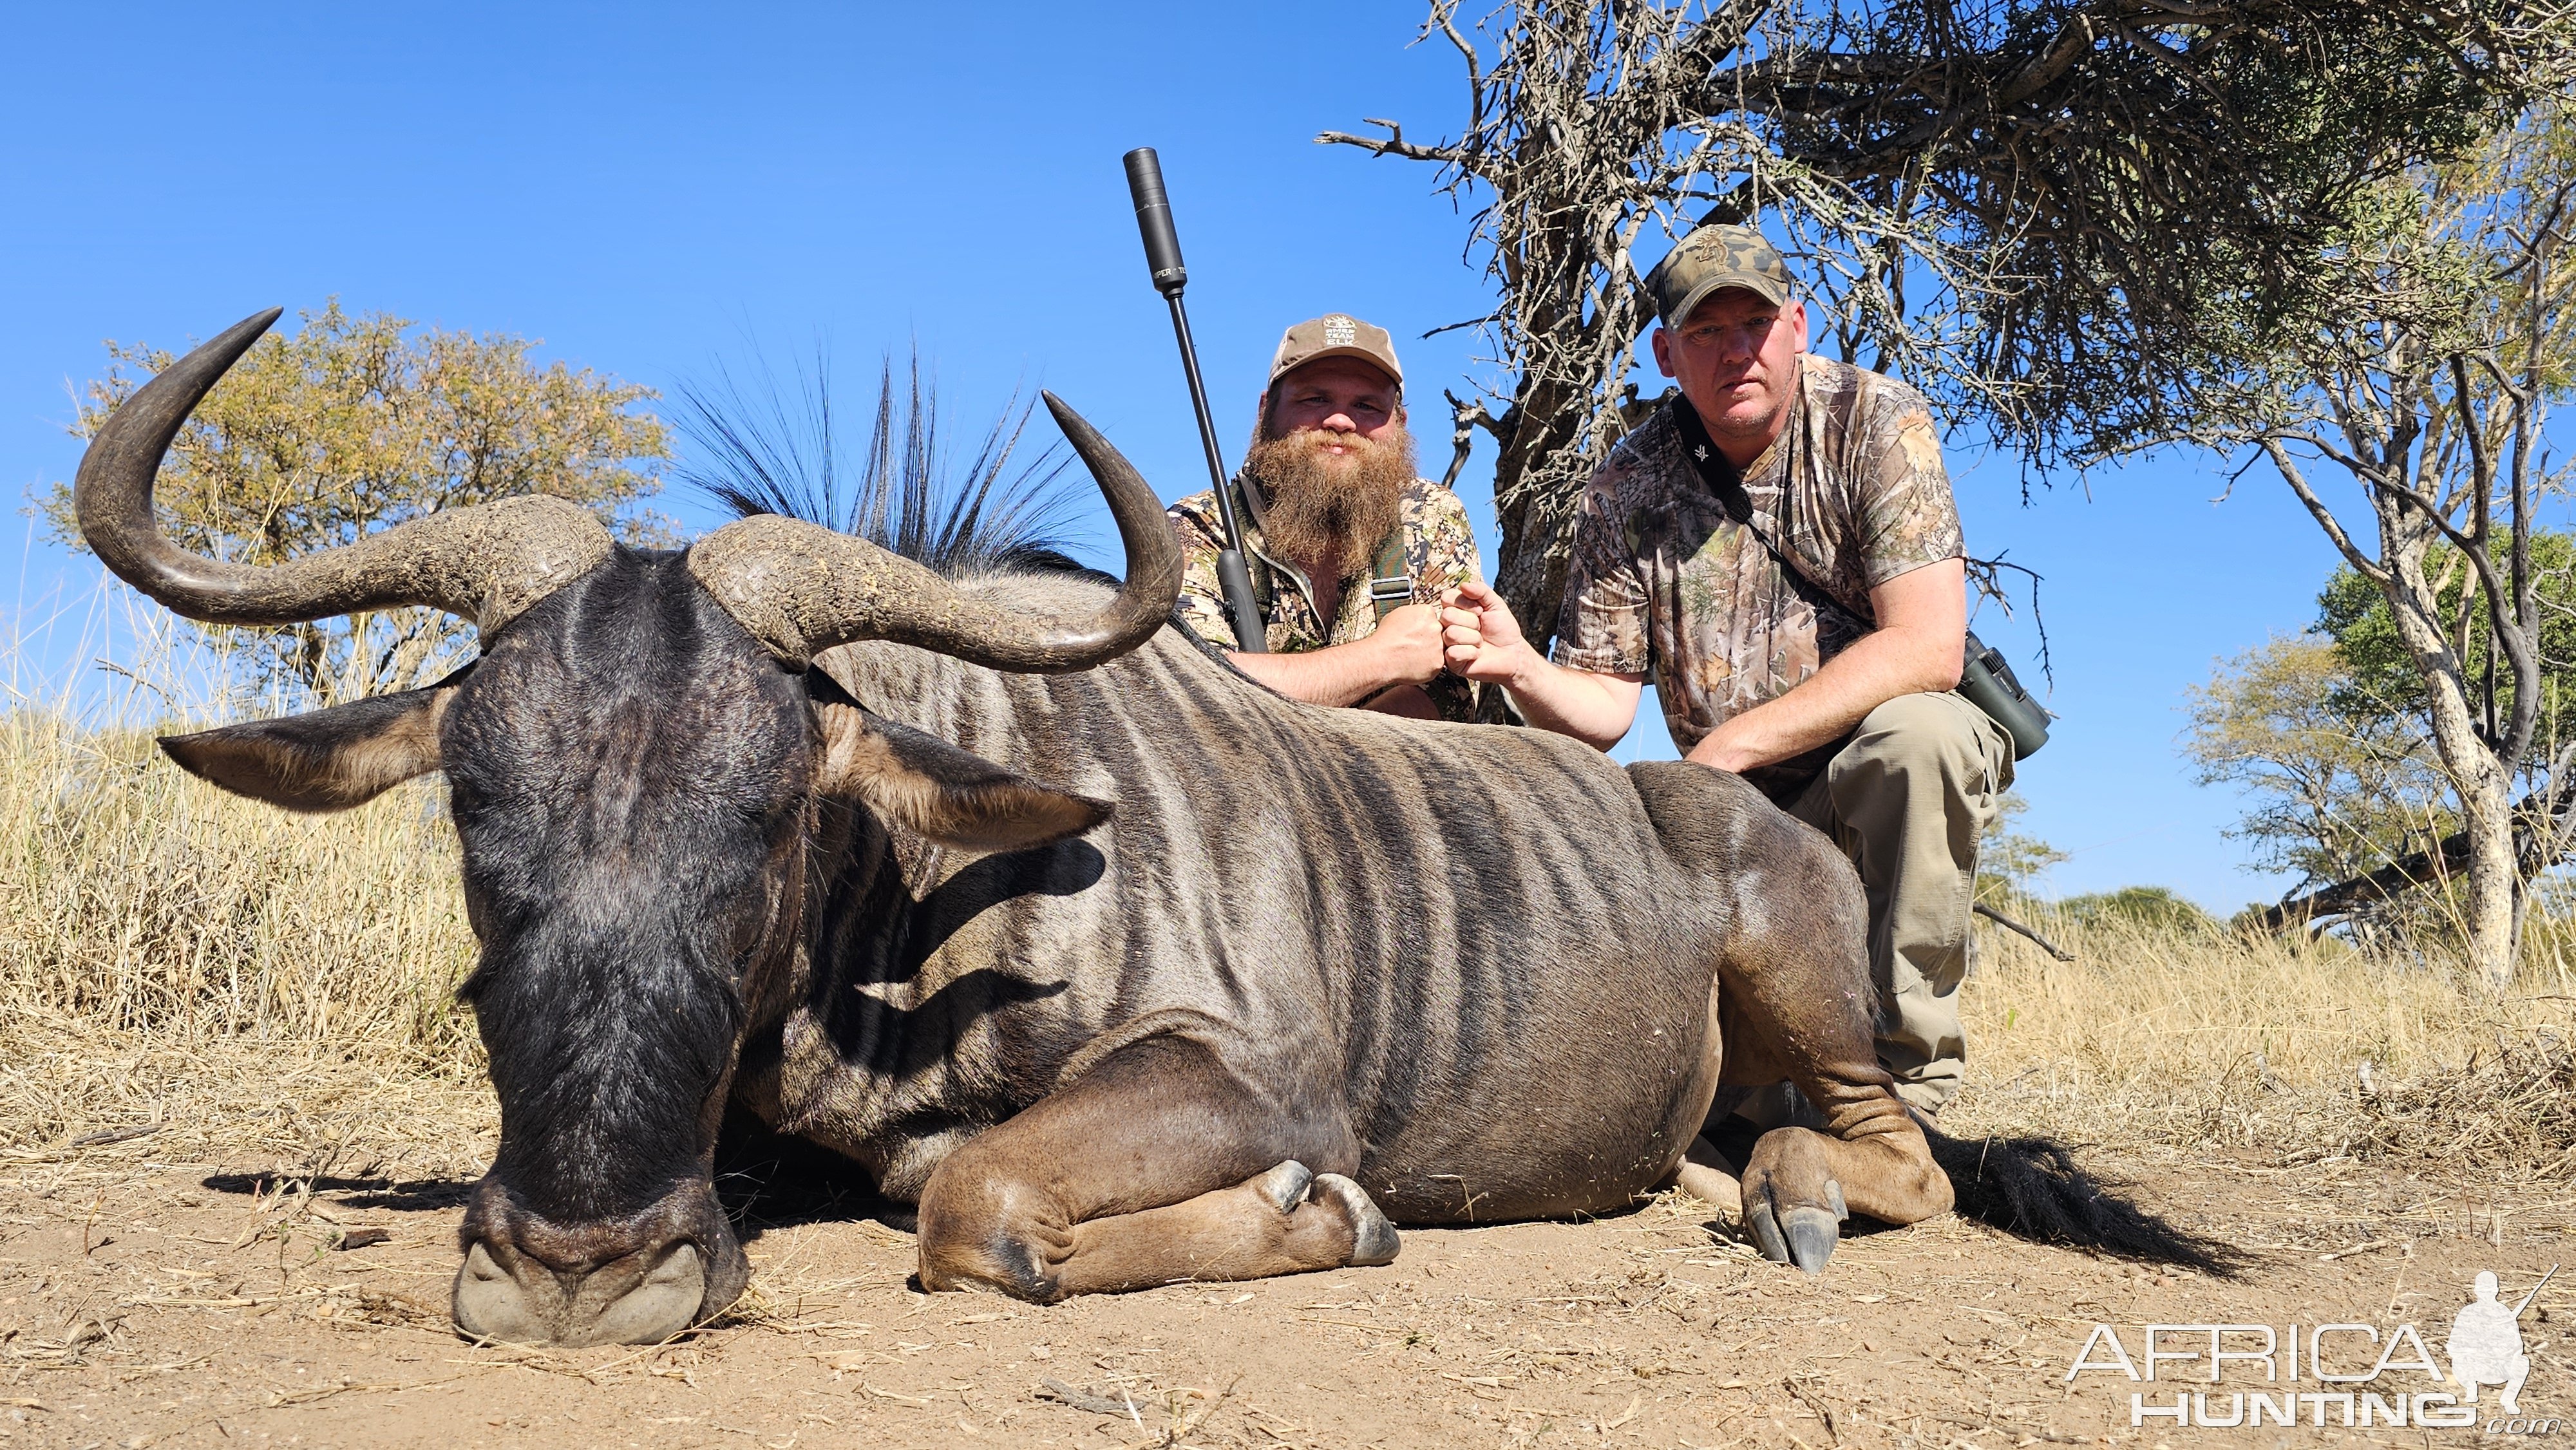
point(1335, 334)
point(1710, 260)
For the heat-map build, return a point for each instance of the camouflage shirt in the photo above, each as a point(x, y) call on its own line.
point(1664, 580)
point(1439, 553)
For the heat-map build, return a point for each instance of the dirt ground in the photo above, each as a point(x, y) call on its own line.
point(168, 1289)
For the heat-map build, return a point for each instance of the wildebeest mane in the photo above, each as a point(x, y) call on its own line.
point(768, 446)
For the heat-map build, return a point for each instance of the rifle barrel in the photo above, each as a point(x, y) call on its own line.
point(1163, 261)
point(2535, 1291)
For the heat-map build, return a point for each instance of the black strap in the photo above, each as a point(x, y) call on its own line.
point(1721, 479)
point(1719, 475)
point(1264, 591)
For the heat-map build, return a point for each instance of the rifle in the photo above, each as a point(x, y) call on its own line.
point(2535, 1291)
point(1163, 260)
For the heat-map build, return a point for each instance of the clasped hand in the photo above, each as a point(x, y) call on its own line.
point(1408, 645)
point(1470, 632)
point(1480, 638)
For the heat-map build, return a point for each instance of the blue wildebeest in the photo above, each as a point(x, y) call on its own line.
point(1122, 968)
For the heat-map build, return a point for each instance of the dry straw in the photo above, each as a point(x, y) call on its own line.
point(144, 901)
point(158, 935)
point(2191, 1036)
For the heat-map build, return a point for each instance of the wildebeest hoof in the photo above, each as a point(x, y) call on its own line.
point(1759, 1222)
point(1373, 1239)
point(1285, 1185)
point(1803, 1236)
point(1812, 1234)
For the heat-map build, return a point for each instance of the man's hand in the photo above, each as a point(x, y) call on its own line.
point(1406, 645)
point(1484, 642)
point(1922, 619)
point(1405, 650)
point(1481, 639)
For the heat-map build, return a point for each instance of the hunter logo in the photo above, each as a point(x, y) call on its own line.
point(2486, 1343)
point(2365, 1377)
point(1340, 331)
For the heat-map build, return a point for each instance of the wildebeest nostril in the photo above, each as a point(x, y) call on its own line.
point(665, 1303)
point(489, 1304)
point(614, 1304)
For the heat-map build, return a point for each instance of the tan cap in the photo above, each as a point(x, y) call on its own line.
point(1335, 334)
point(1710, 260)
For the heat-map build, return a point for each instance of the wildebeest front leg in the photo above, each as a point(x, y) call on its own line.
point(1158, 1166)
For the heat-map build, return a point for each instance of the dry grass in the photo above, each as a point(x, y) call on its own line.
point(146, 900)
point(147, 918)
point(2189, 1038)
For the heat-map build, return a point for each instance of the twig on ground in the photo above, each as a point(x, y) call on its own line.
point(1083, 1400)
point(1191, 1424)
point(105, 1136)
point(1806, 1395)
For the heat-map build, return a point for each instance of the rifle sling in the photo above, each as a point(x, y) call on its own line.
point(1720, 478)
point(1390, 581)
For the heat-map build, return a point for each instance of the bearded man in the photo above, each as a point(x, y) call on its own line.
point(1350, 552)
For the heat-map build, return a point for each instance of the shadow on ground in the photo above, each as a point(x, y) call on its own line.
point(767, 1180)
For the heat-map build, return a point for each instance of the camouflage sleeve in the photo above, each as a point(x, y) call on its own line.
point(1453, 697)
point(1906, 516)
point(1440, 552)
point(1202, 602)
point(1603, 625)
point(1442, 544)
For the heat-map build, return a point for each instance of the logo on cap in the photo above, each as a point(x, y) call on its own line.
point(1340, 331)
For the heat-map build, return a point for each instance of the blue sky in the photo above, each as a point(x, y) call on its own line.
point(652, 192)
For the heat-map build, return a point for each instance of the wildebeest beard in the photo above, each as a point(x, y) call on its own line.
point(1327, 512)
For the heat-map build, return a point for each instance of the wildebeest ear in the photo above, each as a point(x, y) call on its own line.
point(329, 760)
point(951, 796)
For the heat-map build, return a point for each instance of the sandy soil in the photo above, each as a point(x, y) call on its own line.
point(229, 1302)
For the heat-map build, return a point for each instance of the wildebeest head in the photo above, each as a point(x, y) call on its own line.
point(632, 765)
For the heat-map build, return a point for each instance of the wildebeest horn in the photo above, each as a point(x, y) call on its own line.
point(800, 588)
point(487, 563)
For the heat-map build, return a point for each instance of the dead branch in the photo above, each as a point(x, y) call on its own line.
point(1465, 419)
point(2008, 924)
point(2536, 849)
point(1083, 1400)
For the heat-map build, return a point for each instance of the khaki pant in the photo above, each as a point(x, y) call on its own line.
point(1907, 800)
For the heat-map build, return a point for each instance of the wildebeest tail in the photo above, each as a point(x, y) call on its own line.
point(2031, 1187)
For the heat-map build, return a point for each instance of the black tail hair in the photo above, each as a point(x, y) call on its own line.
point(771, 448)
point(2032, 1188)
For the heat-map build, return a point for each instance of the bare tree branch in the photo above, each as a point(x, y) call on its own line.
point(2360, 559)
point(2054, 216)
point(2008, 924)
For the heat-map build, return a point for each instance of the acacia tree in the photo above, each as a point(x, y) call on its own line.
point(2428, 388)
point(351, 425)
point(2340, 779)
point(2032, 209)
point(2329, 735)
